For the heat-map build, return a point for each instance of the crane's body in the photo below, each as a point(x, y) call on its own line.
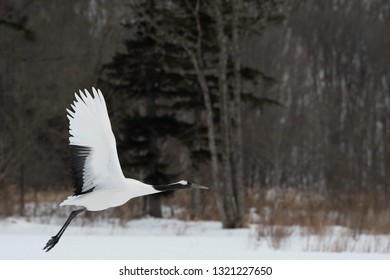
point(113, 196)
point(110, 196)
point(98, 179)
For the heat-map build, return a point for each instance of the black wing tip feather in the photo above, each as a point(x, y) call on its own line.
point(78, 156)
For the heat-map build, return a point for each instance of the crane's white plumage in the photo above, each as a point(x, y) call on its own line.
point(98, 178)
point(92, 139)
point(89, 126)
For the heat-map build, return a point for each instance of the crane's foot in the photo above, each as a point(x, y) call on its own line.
point(51, 243)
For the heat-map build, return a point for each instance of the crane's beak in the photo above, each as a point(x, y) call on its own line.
point(196, 186)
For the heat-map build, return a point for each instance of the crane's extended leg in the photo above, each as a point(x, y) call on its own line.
point(54, 239)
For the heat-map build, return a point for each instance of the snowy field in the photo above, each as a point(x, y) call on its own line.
point(167, 239)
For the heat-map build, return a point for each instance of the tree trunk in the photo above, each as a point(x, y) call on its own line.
point(154, 200)
point(155, 206)
point(229, 205)
point(211, 138)
point(195, 193)
point(237, 128)
point(196, 57)
point(21, 186)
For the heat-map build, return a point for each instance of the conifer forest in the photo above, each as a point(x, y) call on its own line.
point(281, 107)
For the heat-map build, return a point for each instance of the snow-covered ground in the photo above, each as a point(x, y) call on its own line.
point(148, 239)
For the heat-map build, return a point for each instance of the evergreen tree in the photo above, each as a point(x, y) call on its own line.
point(180, 58)
point(159, 100)
point(211, 34)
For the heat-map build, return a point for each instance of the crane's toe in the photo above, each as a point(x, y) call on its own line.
point(51, 243)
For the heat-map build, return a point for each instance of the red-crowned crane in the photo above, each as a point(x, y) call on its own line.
point(98, 179)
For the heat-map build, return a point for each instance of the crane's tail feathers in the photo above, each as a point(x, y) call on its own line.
point(69, 201)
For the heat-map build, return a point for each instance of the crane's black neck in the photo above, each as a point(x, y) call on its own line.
point(173, 186)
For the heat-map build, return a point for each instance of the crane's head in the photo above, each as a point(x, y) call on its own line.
point(189, 185)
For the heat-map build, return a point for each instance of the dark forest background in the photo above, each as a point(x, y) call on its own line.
point(299, 96)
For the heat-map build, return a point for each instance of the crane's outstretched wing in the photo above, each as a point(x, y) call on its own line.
point(93, 155)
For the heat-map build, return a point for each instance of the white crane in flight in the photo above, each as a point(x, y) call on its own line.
point(98, 179)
